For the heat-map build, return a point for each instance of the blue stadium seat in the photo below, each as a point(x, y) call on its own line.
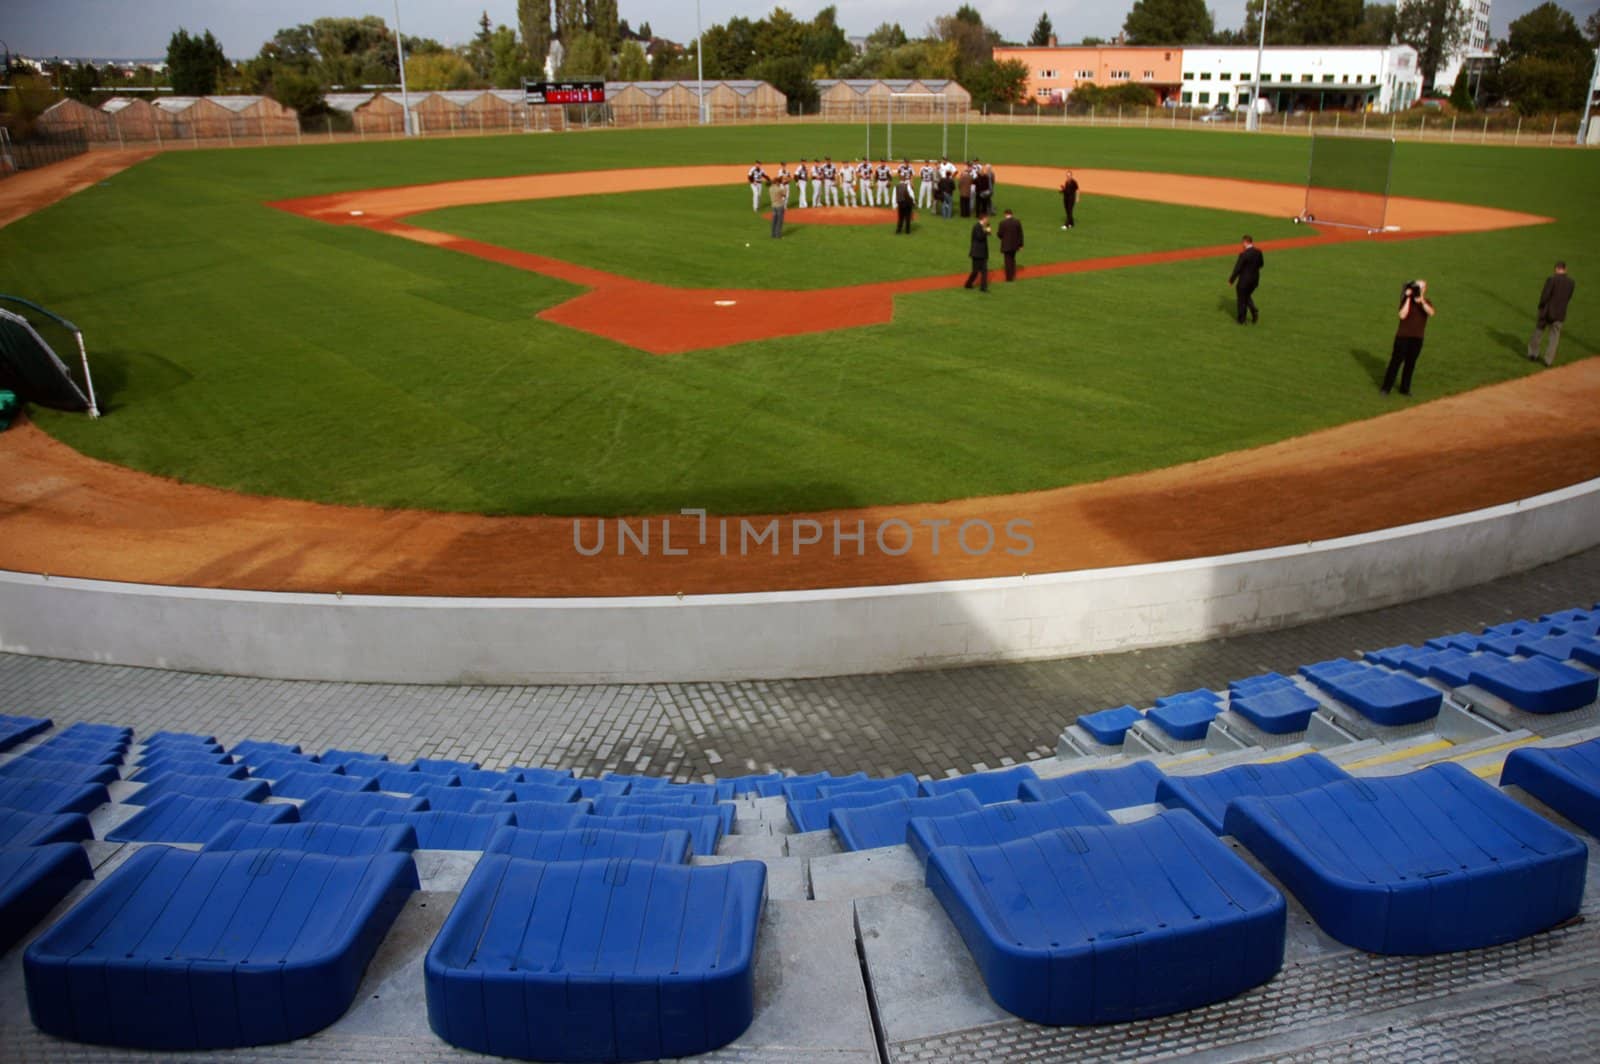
point(200, 787)
point(90, 752)
point(1561, 618)
point(815, 814)
point(1429, 862)
point(904, 785)
point(1396, 657)
point(33, 880)
point(150, 771)
point(272, 768)
point(488, 778)
point(597, 960)
point(1536, 685)
point(18, 729)
point(805, 788)
point(19, 828)
point(884, 824)
point(744, 786)
point(999, 785)
point(461, 799)
point(1466, 642)
point(434, 766)
point(184, 752)
point(307, 784)
point(402, 781)
point(172, 740)
point(539, 774)
point(1186, 720)
point(179, 950)
point(587, 843)
point(1281, 710)
point(1559, 647)
point(335, 756)
point(1093, 925)
point(1452, 668)
point(628, 805)
point(1389, 699)
point(1207, 796)
point(597, 788)
point(541, 816)
point(45, 796)
point(1199, 694)
point(315, 836)
point(691, 793)
point(1251, 684)
point(1003, 822)
point(1566, 778)
point(83, 730)
point(447, 831)
point(704, 831)
point(1113, 788)
point(355, 808)
point(543, 792)
point(1109, 727)
point(774, 788)
point(39, 768)
point(253, 750)
point(364, 766)
point(186, 818)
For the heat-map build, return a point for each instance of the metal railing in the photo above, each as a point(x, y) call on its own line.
point(39, 149)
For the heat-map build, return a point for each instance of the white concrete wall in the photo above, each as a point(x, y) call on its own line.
point(783, 634)
point(1394, 67)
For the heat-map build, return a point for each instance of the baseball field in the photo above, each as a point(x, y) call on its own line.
point(241, 346)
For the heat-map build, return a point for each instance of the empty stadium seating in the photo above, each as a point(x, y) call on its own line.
point(1567, 779)
point(1207, 796)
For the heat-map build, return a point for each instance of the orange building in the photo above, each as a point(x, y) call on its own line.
point(1053, 71)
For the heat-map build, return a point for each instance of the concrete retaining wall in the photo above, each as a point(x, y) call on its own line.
point(783, 634)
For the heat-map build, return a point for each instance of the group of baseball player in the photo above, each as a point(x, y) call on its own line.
point(861, 183)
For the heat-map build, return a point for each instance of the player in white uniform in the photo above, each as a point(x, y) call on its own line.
point(864, 177)
point(802, 178)
point(830, 182)
point(847, 179)
point(758, 181)
point(925, 185)
point(816, 184)
point(884, 196)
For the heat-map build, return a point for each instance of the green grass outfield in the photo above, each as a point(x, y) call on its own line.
point(243, 347)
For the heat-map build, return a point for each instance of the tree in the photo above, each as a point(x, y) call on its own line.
point(1042, 32)
point(974, 42)
point(887, 35)
point(569, 19)
point(1377, 24)
point(533, 19)
point(603, 14)
point(1319, 22)
point(1546, 61)
point(826, 45)
point(1436, 29)
point(480, 52)
point(586, 56)
point(81, 81)
point(507, 59)
point(998, 84)
point(194, 64)
point(440, 71)
point(644, 31)
point(298, 92)
point(632, 63)
point(1591, 28)
point(1461, 92)
point(1168, 22)
point(790, 76)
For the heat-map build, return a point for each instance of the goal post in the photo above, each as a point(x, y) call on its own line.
point(917, 125)
point(1347, 181)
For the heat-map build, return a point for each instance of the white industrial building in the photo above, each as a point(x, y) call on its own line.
point(1476, 45)
point(1377, 79)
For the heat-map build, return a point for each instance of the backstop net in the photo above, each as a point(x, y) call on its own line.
point(917, 125)
point(29, 364)
point(1348, 182)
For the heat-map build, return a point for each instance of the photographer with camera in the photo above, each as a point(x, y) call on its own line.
point(1415, 310)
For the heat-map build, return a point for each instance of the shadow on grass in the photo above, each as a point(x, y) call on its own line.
point(1509, 341)
point(1371, 363)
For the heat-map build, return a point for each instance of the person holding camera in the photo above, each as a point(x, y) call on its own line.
point(1415, 310)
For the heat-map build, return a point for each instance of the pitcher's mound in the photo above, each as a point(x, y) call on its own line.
point(838, 216)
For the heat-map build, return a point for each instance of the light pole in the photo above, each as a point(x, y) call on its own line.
point(700, 62)
point(1588, 100)
point(1252, 120)
point(400, 54)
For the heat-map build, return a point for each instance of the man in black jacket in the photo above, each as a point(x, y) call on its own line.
point(1010, 243)
point(979, 253)
point(1069, 198)
point(1553, 302)
point(903, 202)
point(1246, 278)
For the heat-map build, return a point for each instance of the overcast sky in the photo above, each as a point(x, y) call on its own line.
point(141, 28)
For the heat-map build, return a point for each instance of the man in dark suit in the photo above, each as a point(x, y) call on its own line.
point(1246, 278)
point(1010, 243)
point(1069, 198)
point(1552, 312)
point(904, 200)
point(979, 253)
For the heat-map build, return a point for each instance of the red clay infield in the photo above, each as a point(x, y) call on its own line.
point(65, 514)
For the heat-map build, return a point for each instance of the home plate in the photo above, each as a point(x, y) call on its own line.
point(357, 214)
point(726, 302)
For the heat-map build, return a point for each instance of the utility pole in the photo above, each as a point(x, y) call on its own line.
point(700, 61)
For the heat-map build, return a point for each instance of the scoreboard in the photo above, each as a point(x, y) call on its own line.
point(559, 92)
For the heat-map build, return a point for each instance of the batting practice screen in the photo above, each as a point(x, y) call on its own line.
point(1348, 182)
